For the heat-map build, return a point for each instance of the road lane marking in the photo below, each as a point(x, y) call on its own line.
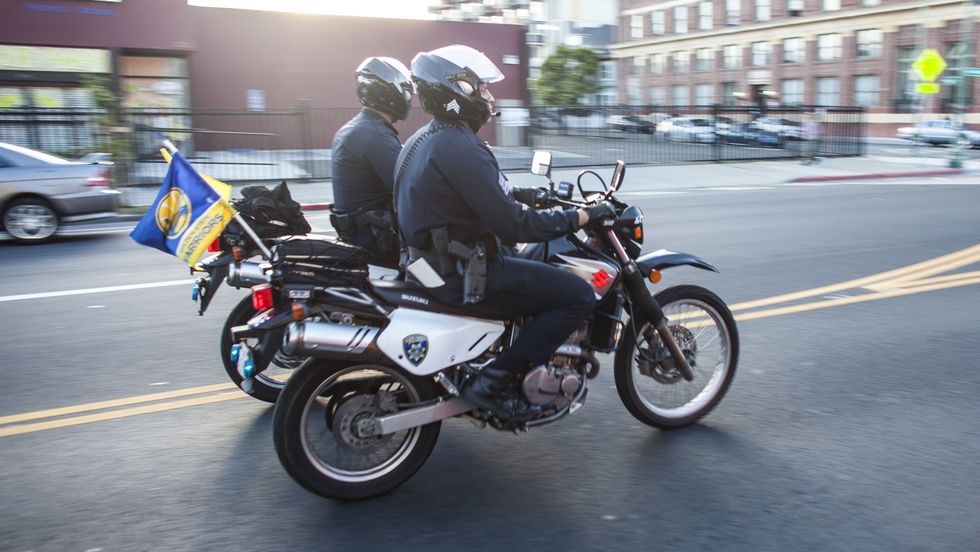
point(54, 412)
point(916, 278)
point(127, 287)
point(116, 414)
point(972, 253)
point(851, 300)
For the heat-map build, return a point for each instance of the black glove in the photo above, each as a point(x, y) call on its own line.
point(536, 198)
point(602, 214)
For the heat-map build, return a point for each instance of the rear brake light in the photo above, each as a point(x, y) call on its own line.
point(262, 297)
point(215, 245)
point(101, 178)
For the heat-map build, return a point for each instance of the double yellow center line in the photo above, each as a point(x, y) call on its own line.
point(917, 278)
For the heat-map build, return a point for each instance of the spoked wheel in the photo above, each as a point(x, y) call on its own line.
point(266, 385)
point(652, 389)
point(325, 438)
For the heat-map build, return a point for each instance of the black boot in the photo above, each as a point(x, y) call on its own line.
point(496, 390)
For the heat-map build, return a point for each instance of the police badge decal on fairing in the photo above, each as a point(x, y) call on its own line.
point(416, 347)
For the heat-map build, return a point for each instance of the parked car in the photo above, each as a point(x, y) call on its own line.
point(631, 123)
point(749, 134)
point(939, 131)
point(691, 129)
point(785, 128)
point(39, 191)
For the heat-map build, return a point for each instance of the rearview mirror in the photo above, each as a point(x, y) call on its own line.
point(618, 174)
point(541, 163)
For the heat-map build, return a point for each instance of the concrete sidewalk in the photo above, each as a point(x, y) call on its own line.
point(672, 177)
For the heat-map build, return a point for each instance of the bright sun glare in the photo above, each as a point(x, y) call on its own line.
point(405, 9)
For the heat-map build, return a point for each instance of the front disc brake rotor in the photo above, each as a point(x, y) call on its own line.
point(659, 365)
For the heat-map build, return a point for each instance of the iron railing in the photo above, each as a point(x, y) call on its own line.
point(294, 144)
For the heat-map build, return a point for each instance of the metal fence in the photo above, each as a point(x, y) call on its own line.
point(688, 134)
point(294, 144)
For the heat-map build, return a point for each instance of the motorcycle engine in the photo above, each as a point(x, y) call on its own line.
point(550, 385)
point(557, 383)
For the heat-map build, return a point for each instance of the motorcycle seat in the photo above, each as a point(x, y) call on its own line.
point(414, 296)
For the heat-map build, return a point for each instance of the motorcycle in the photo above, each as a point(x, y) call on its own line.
point(385, 361)
point(238, 259)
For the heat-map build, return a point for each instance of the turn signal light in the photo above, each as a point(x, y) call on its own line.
point(215, 245)
point(237, 253)
point(655, 276)
point(299, 311)
point(638, 233)
point(262, 297)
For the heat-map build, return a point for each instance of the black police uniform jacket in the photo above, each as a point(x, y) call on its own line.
point(363, 159)
point(452, 179)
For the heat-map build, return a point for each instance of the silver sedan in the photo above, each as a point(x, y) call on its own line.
point(39, 191)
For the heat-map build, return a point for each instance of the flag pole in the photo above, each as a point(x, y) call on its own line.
point(238, 217)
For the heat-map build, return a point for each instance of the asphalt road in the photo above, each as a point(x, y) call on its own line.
point(851, 424)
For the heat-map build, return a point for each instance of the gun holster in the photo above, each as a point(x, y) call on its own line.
point(470, 262)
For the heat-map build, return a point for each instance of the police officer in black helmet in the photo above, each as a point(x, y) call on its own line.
point(453, 212)
point(363, 159)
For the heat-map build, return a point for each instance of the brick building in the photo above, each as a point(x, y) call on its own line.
point(798, 52)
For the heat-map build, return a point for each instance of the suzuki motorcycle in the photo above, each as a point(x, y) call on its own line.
point(385, 361)
point(236, 259)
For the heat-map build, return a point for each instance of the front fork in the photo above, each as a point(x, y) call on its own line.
point(649, 307)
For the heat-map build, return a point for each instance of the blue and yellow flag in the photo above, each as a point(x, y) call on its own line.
point(188, 214)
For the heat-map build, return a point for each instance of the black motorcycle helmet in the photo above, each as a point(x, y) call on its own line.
point(448, 82)
point(384, 83)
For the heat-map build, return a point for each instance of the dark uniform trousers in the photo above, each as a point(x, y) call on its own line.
point(558, 301)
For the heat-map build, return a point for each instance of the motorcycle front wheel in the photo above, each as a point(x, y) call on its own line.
point(322, 442)
point(651, 388)
point(267, 384)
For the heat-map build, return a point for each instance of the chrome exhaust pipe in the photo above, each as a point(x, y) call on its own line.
point(326, 339)
point(247, 274)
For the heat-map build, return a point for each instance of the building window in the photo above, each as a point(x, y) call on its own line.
point(791, 91)
point(828, 91)
point(761, 54)
point(658, 96)
point(706, 16)
point(870, 2)
point(705, 59)
point(869, 43)
point(680, 62)
point(866, 90)
point(905, 81)
point(732, 56)
point(763, 10)
point(728, 93)
point(679, 95)
point(633, 93)
point(657, 23)
point(831, 5)
point(704, 94)
point(607, 70)
point(658, 64)
point(733, 12)
point(680, 19)
point(636, 26)
point(794, 7)
point(956, 97)
point(794, 50)
point(639, 63)
point(828, 47)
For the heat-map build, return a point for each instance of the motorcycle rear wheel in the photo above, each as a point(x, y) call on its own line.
point(317, 436)
point(651, 389)
point(266, 385)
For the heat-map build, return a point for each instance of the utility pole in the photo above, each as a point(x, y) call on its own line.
point(963, 85)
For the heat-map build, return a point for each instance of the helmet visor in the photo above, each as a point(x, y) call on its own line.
point(467, 57)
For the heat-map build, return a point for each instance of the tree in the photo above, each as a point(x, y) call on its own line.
point(567, 75)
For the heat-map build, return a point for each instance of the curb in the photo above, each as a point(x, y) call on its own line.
point(868, 176)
